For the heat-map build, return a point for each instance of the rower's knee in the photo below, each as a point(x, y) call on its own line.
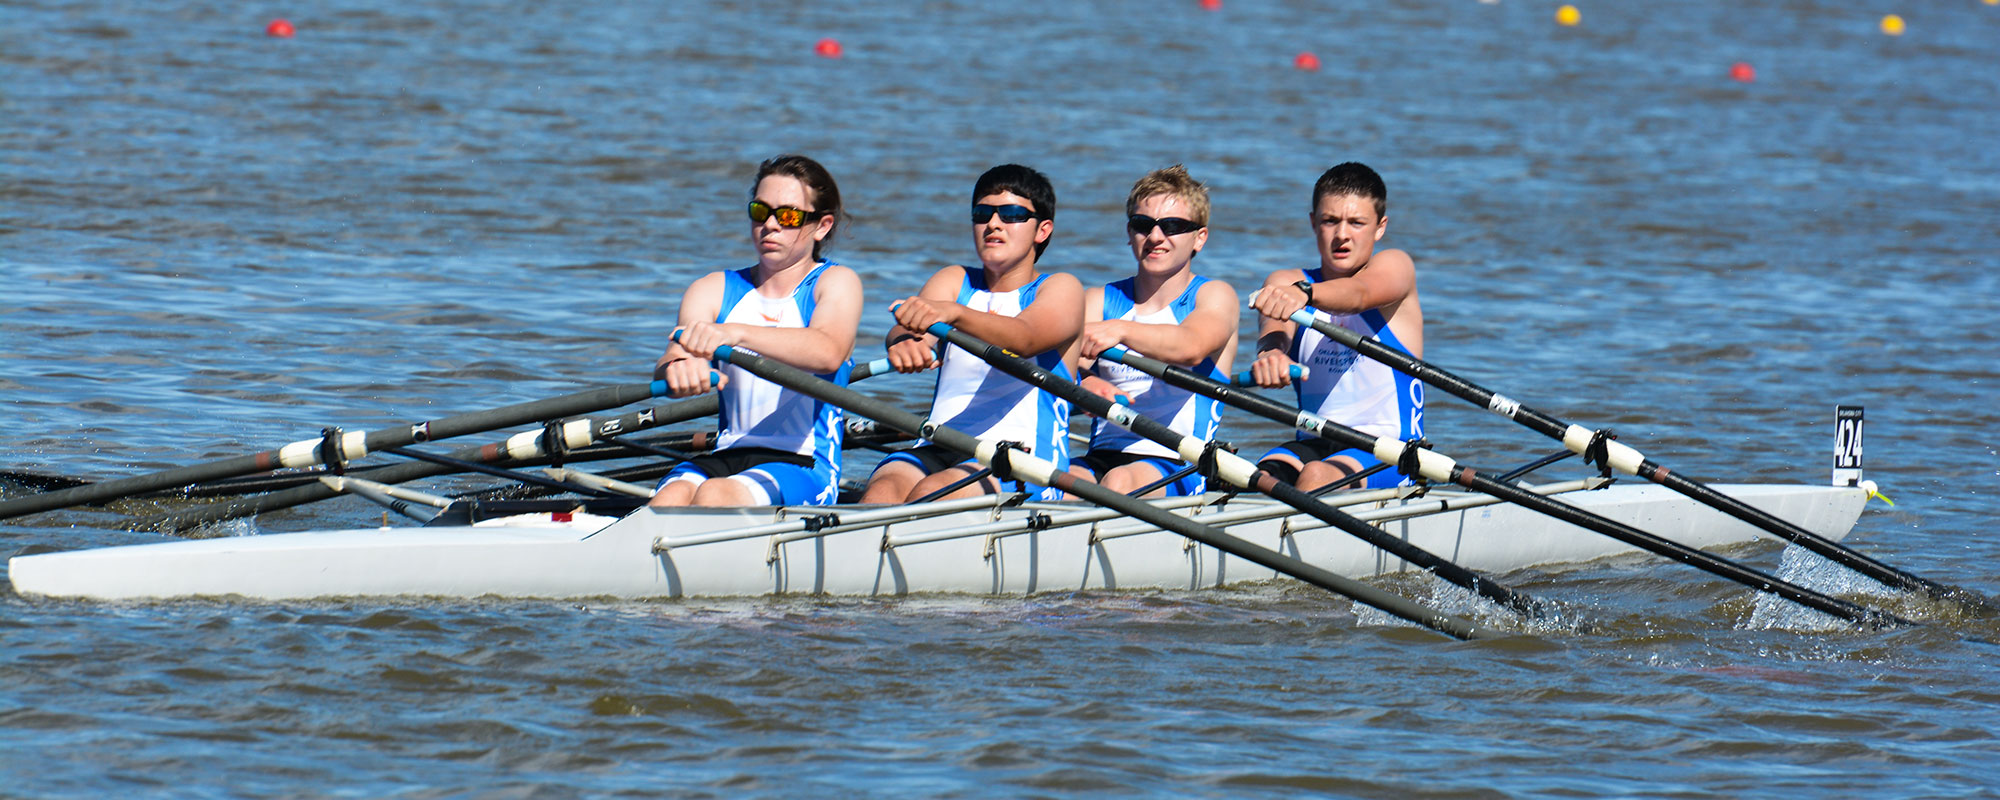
point(1321, 473)
point(891, 483)
point(677, 493)
point(723, 492)
point(1284, 469)
point(1126, 479)
point(946, 477)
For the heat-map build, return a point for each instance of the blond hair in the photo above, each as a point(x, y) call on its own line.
point(1173, 181)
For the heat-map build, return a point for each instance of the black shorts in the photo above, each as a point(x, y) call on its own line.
point(931, 458)
point(724, 463)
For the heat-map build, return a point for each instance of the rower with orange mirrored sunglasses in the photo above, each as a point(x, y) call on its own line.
point(788, 217)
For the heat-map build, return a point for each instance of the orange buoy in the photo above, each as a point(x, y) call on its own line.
point(828, 48)
point(280, 28)
point(1742, 73)
point(1305, 61)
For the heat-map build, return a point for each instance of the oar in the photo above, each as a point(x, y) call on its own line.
point(1435, 466)
point(521, 447)
point(1625, 459)
point(1014, 465)
point(1235, 469)
point(343, 447)
point(525, 446)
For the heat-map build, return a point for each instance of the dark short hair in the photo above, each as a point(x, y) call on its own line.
point(1353, 177)
point(820, 188)
point(1026, 182)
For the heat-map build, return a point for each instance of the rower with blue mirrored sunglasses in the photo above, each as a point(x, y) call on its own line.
point(1010, 213)
point(1140, 225)
point(788, 217)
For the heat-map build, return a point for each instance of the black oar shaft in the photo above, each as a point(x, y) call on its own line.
point(302, 453)
point(1046, 474)
point(1628, 460)
point(1234, 469)
point(1441, 468)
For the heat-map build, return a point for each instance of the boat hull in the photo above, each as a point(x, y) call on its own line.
point(620, 559)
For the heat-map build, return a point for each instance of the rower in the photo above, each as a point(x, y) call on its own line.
point(1371, 293)
point(1008, 301)
point(777, 446)
point(1167, 312)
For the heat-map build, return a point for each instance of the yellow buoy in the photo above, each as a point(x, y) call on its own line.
point(1568, 15)
point(1892, 25)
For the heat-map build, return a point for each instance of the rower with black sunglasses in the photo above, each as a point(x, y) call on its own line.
point(1163, 311)
point(777, 446)
point(1371, 293)
point(1006, 301)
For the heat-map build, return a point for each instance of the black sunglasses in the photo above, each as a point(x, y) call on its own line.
point(1140, 225)
point(1009, 213)
point(788, 217)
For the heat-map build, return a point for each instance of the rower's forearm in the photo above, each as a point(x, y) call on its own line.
point(1174, 344)
point(1341, 297)
point(1015, 334)
point(805, 348)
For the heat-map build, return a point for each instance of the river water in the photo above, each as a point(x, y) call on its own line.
point(213, 242)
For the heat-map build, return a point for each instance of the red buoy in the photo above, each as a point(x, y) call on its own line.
point(1742, 73)
point(1211, 5)
point(828, 48)
point(1306, 61)
point(279, 28)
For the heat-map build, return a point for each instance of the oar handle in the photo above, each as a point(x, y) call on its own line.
point(1244, 378)
point(1299, 372)
point(714, 377)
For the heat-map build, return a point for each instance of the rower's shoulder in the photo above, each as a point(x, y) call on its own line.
point(1284, 277)
point(1393, 258)
point(838, 282)
point(1065, 280)
point(712, 282)
point(839, 272)
point(1215, 290)
point(946, 280)
point(1059, 288)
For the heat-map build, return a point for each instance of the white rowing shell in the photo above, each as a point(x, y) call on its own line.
point(545, 559)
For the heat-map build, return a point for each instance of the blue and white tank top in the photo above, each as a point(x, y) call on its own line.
point(759, 413)
point(1187, 413)
point(1358, 392)
point(977, 399)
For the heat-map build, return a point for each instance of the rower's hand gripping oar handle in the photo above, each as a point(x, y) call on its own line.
point(714, 377)
point(1299, 372)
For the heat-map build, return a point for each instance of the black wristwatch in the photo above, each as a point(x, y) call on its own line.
point(1307, 287)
